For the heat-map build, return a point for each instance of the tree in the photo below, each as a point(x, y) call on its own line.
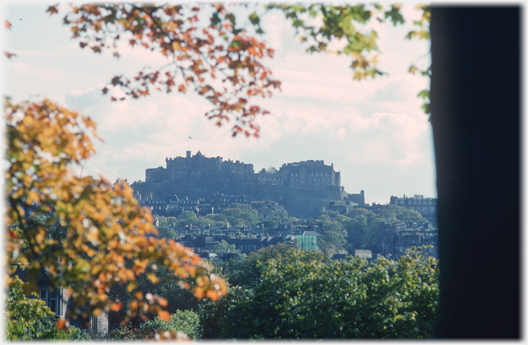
point(250, 273)
point(107, 240)
point(239, 215)
point(306, 298)
point(334, 236)
point(225, 247)
point(184, 321)
point(476, 116)
point(402, 214)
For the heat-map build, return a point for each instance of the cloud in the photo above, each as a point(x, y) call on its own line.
point(18, 69)
point(372, 131)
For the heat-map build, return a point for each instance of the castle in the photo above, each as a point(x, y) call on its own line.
point(191, 167)
point(307, 175)
point(298, 186)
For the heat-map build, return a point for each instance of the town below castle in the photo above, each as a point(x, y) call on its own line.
point(211, 186)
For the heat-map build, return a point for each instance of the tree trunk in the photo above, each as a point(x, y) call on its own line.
point(475, 107)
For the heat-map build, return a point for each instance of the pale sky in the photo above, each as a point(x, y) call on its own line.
point(374, 131)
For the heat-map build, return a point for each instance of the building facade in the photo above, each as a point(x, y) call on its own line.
point(396, 238)
point(426, 206)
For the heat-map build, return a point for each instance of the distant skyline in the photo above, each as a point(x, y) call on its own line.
point(373, 132)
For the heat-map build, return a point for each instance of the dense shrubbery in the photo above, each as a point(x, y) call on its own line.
point(29, 319)
point(308, 297)
point(185, 321)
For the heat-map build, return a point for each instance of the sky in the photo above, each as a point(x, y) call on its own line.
point(373, 132)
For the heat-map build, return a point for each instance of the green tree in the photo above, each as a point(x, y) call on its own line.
point(239, 215)
point(334, 236)
point(166, 232)
point(225, 247)
point(402, 214)
point(357, 229)
point(229, 269)
point(303, 298)
point(213, 315)
point(185, 321)
point(255, 264)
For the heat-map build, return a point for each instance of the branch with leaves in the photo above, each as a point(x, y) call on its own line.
point(218, 61)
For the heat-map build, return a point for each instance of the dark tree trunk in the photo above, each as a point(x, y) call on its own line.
point(475, 107)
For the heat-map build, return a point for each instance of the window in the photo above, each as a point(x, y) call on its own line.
point(51, 298)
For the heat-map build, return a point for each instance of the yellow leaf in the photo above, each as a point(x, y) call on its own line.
point(152, 278)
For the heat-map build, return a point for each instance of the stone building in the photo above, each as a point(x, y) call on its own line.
point(192, 168)
point(396, 238)
point(357, 198)
point(426, 206)
point(310, 175)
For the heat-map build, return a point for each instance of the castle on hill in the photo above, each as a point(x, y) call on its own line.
point(299, 186)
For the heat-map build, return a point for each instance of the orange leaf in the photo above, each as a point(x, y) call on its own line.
point(7, 24)
point(212, 294)
point(163, 302)
point(53, 9)
point(198, 292)
point(164, 315)
point(62, 324)
point(9, 55)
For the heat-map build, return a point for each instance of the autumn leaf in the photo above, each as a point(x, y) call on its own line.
point(163, 302)
point(62, 324)
point(7, 25)
point(53, 9)
point(116, 306)
point(164, 315)
point(9, 55)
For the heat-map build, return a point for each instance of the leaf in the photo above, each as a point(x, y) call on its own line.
point(163, 302)
point(62, 324)
point(7, 25)
point(424, 94)
point(164, 315)
point(9, 55)
point(53, 9)
point(152, 277)
point(116, 306)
